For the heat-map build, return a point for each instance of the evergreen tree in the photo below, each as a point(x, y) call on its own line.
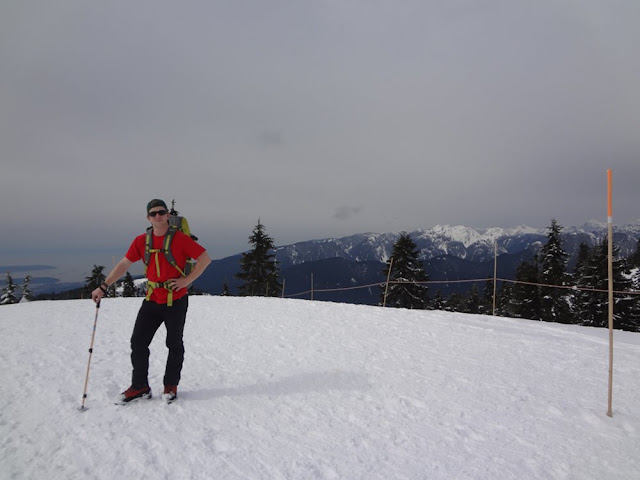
point(634, 265)
point(635, 279)
point(592, 307)
point(94, 280)
point(438, 302)
point(128, 286)
point(225, 289)
point(553, 271)
point(634, 312)
point(27, 294)
point(455, 303)
point(525, 298)
point(405, 270)
point(486, 303)
point(503, 300)
point(624, 312)
point(583, 276)
point(473, 302)
point(634, 259)
point(259, 269)
point(9, 291)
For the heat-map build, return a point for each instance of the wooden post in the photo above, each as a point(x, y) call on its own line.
point(283, 283)
point(495, 274)
point(610, 238)
point(312, 286)
point(386, 288)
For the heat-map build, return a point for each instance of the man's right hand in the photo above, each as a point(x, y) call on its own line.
point(97, 295)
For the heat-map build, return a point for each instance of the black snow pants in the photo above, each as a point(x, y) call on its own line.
point(150, 316)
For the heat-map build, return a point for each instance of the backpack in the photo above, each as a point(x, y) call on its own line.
point(176, 222)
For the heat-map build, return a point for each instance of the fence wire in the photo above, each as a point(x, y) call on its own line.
point(575, 288)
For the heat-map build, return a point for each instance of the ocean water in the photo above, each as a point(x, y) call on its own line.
point(58, 271)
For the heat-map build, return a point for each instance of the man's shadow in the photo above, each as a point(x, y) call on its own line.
point(301, 383)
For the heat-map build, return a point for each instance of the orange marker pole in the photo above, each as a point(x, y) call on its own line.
point(610, 239)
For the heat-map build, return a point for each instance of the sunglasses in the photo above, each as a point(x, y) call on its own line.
point(158, 212)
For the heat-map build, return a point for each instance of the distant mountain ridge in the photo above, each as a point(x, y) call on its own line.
point(467, 243)
point(449, 253)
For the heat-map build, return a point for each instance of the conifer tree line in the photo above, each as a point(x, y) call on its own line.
point(9, 293)
point(98, 276)
point(530, 296)
point(578, 304)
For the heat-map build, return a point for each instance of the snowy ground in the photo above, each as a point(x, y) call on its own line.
point(294, 389)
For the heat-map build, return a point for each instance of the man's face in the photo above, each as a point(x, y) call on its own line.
point(157, 215)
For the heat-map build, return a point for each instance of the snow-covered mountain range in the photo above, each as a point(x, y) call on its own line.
point(449, 252)
point(472, 244)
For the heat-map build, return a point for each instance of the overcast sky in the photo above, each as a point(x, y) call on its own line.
point(322, 118)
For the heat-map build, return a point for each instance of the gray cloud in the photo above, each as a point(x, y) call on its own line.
point(485, 114)
point(346, 212)
point(270, 138)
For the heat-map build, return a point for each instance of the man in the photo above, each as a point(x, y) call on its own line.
point(167, 301)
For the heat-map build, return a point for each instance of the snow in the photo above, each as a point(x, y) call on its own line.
point(469, 236)
point(465, 235)
point(295, 389)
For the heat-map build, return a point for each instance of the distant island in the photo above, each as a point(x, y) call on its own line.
point(24, 268)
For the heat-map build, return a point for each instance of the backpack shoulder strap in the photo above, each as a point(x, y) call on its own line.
point(148, 244)
point(166, 248)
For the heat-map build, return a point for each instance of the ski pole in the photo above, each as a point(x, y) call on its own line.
point(86, 380)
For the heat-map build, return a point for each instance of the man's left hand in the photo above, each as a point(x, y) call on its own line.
point(178, 283)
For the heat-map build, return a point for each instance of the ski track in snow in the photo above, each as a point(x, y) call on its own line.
point(295, 389)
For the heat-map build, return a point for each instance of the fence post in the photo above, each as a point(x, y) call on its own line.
point(495, 274)
point(312, 286)
point(386, 288)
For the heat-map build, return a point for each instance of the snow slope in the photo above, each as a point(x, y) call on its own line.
point(294, 389)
